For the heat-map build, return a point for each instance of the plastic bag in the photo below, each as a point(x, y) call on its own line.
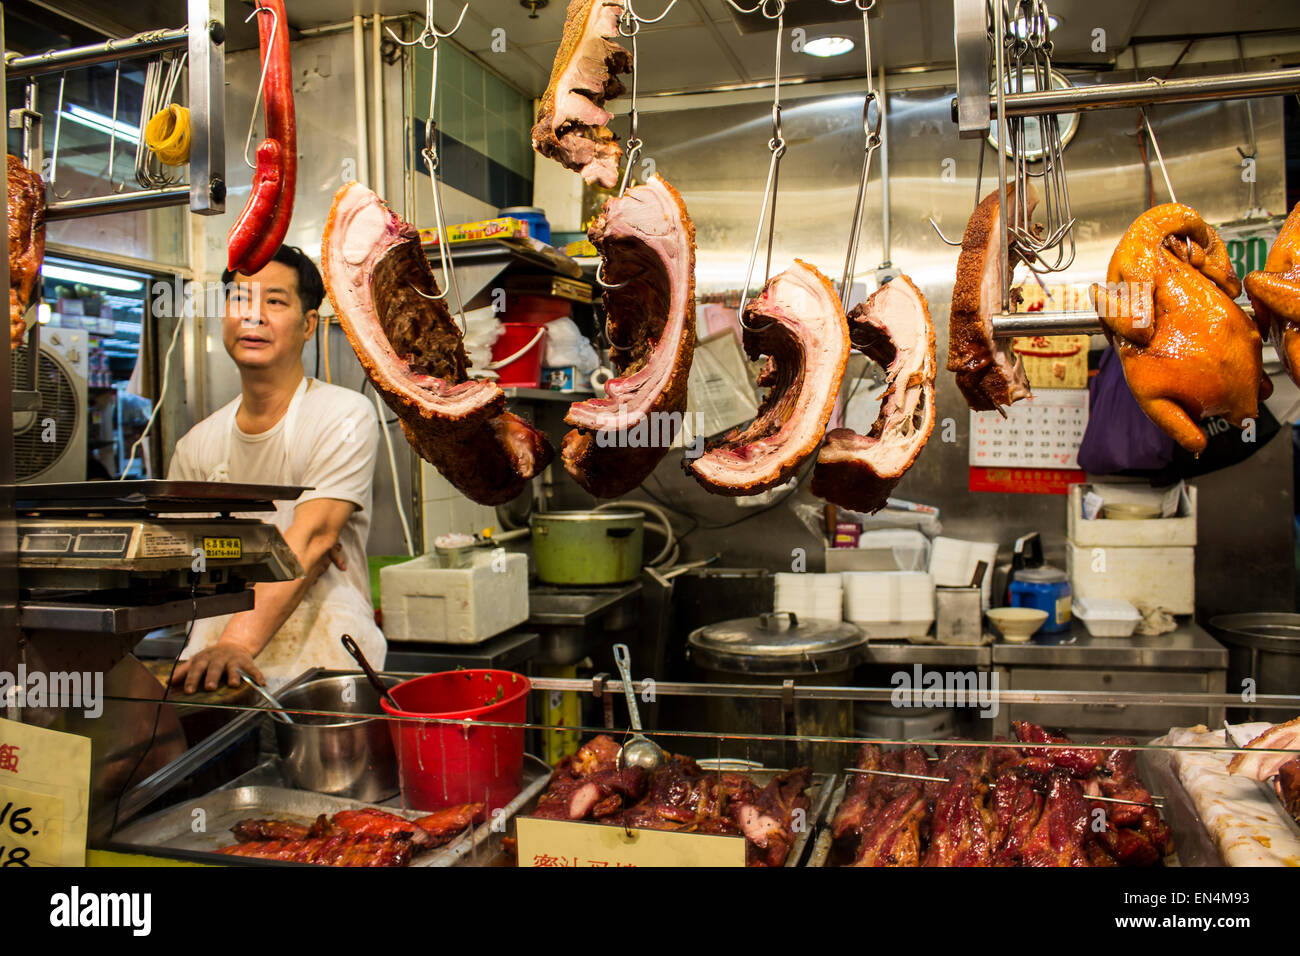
point(1119, 436)
point(566, 345)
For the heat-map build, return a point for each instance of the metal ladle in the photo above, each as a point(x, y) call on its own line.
point(640, 751)
point(278, 713)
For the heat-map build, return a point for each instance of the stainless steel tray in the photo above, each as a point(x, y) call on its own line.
point(1185, 831)
point(819, 793)
point(173, 828)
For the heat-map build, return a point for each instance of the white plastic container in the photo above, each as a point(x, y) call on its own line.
point(1106, 617)
point(953, 562)
point(890, 604)
point(425, 602)
point(809, 595)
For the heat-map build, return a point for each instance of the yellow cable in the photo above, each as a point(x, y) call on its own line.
point(168, 134)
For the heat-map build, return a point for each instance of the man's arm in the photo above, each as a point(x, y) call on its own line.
point(314, 538)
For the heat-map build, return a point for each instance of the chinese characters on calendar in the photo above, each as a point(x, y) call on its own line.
point(1043, 431)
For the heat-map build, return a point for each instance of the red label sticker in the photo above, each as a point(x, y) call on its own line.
point(1025, 481)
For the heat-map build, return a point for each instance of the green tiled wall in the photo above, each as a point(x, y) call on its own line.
point(477, 108)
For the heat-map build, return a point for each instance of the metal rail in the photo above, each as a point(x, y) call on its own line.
point(56, 61)
point(123, 202)
point(1046, 323)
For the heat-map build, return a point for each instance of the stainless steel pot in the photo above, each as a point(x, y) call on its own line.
point(588, 547)
point(1263, 646)
point(339, 756)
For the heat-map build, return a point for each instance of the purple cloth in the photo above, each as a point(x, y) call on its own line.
point(1119, 436)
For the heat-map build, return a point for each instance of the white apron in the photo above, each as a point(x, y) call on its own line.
point(329, 609)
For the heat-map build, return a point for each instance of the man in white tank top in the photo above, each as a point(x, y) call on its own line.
point(287, 429)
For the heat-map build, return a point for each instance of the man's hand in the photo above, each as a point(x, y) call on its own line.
point(223, 659)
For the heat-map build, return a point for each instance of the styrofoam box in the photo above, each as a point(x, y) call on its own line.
point(1165, 577)
point(953, 562)
point(423, 602)
point(1106, 617)
point(1179, 531)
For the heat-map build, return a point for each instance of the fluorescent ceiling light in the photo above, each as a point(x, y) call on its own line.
point(1020, 27)
point(101, 123)
point(828, 46)
point(120, 283)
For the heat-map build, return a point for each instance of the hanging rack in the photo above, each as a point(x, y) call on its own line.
point(776, 145)
point(975, 106)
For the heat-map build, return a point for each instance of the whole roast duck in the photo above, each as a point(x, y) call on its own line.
point(26, 243)
point(1274, 293)
point(1188, 351)
point(383, 291)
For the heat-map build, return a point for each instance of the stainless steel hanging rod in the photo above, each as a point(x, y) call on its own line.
point(142, 44)
point(1105, 96)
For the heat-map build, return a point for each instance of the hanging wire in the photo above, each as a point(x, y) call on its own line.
point(58, 130)
point(979, 180)
point(1159, 157)
point(776, 145)
point(261, 83)
point(112, 131)
point(871, 132)
point(429, 36)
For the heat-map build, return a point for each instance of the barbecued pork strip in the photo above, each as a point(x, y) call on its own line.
point(382, 289)
point(377, 823)
point(1058, 837)
point(988, 374)
point(648, 243)
point(571, 117)
point(26, 242)
point(1081, 761)
point(250, 831)
point(892, 327)
point(798, 323)
point(340, 850)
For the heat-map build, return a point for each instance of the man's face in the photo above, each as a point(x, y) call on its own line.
point(265, 325)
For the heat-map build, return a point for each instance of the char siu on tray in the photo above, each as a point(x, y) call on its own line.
point(798, 323)
point(647, 241)
point(382, 289)
point(892, 327)
point(1007, 805)
point(571, 117)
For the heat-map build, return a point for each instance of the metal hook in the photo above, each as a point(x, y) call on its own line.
point(58, 126)
point(935, 226)
point(112, 131)
point(761, 6)
point(1159, 157)
point(261, 83)
point(428, 37)
point(600, 278)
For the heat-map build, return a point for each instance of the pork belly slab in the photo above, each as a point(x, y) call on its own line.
point(571, 118)
point(381, 287)
point(648, 243)
point(892, 327)
point(798, 323)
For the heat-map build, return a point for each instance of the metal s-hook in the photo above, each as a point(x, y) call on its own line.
point(762, 6)
point(430, 35)
point(935, 226)
point(602, 282)
point(261, 83)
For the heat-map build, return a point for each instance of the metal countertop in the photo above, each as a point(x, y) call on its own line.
point(1188, 646)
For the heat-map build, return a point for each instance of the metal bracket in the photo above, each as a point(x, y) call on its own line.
point(607, 700)
point(207, 37)
point(971, 104)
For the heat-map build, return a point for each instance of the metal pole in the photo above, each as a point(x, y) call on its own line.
point(207, 54)
point(381, 157)
point(359, 95)
point(56, 61)
point(126, 202)
point(8, 530)
point(1045, 323)
point(886, 248)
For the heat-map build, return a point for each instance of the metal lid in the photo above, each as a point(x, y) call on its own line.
point(579, 516)
point(524, 210)
point(1264, 630)
point(778, 643)
point(1044, 575)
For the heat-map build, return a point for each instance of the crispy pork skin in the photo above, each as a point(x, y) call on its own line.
point(892, 327)
point(381, 286)
point(1188, 351)
point(571, 118)
point(26, 243)
point(988, 374)
point(1261, 766)
point(1274, 293)
point(648, 244)
point(798, 323)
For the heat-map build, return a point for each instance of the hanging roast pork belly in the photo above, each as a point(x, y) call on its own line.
point(892, 327)
point(988, 373)
point(1188, 351)
point(382, 289)
point(798, 323)
point(26, 243)
point(647, 241)
point(1275, 294)
point(571, 118)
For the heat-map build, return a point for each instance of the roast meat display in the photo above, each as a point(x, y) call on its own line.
point(988, 373)
point(1188, 351)
point(1006, 805)
point(647, 241)
point(892, 327)
point(385, 295)
point(1282, 768)
point(571, 117)
point(26, 243)
point(679, 796)
point(798, 323)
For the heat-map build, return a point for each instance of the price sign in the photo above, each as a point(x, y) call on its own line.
point(44, 796)
point(564, 843)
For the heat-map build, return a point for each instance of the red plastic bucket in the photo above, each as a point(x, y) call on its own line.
point(537, 309)
point(526, 367)
point(440, 765)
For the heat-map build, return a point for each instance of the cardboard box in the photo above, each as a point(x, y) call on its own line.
point(1178, 531)
point(504, 228)
point(1165, 577)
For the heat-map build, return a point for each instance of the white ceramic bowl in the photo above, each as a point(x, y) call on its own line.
point(1017, 624)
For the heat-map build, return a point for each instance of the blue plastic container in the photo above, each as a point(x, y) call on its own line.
point(538, 225)
point(1047, 589)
